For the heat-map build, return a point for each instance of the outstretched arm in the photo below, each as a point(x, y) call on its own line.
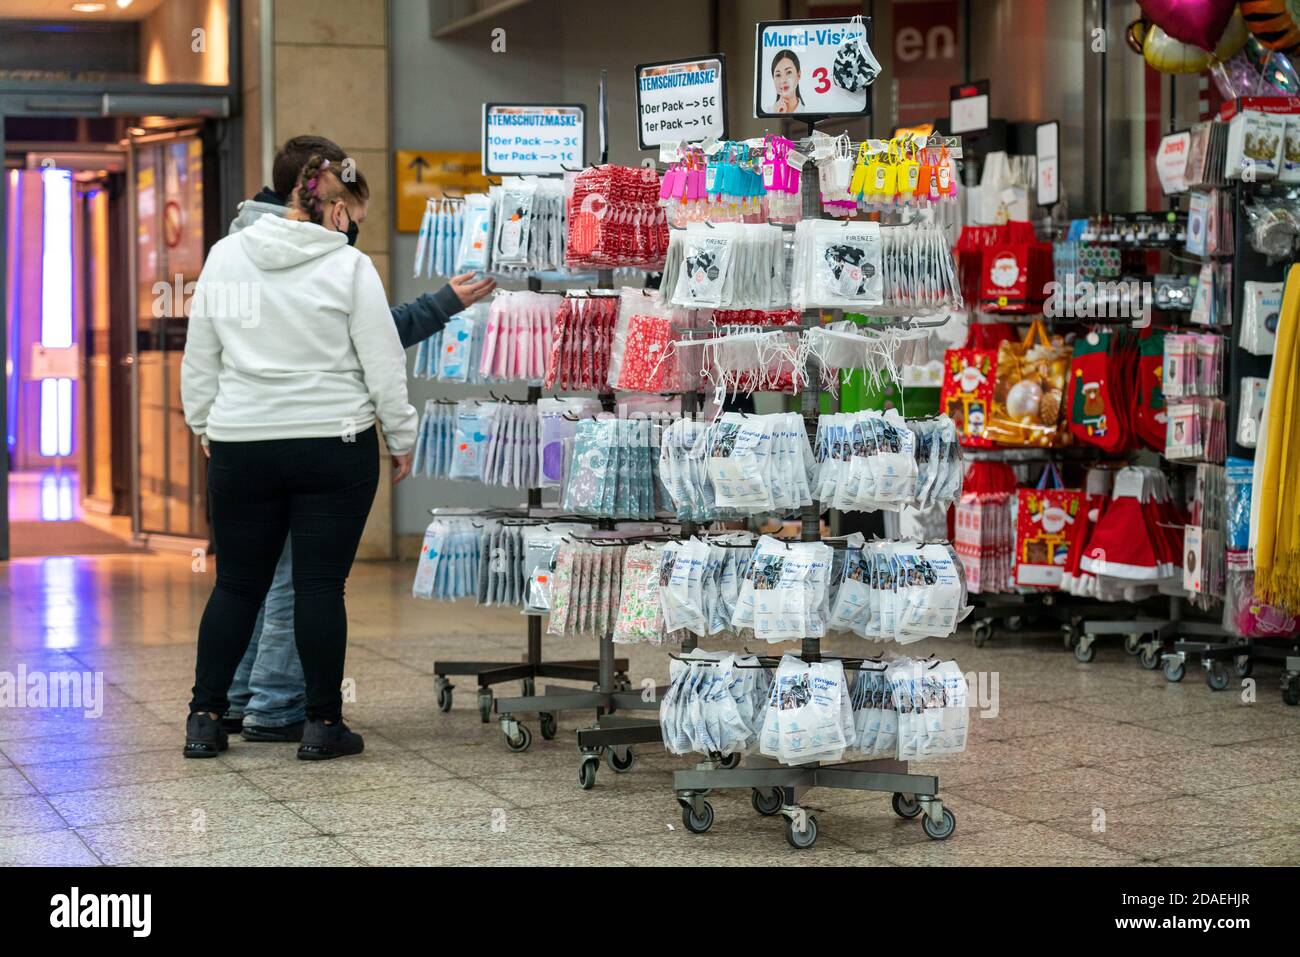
point(421, 318)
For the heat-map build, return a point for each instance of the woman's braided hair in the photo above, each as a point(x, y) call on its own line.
point(310, 195)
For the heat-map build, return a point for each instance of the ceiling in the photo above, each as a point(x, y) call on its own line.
point(62, 10)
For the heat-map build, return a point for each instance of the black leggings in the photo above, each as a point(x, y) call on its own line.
point(321, 490)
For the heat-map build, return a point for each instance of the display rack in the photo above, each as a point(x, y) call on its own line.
point(1214, 650)
point(490, 673)
point(610, 691)
point(780, 789)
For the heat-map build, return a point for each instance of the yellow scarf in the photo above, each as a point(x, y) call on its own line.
point(1277, 549)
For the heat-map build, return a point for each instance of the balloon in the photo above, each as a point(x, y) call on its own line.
point(1199, 22)
point(1237, 76)
point(1168, 55)
point(1134, 34)
point(1274, 23)
point(1234, 38)
point(1276, 68)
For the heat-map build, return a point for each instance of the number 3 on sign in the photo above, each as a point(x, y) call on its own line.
point(823, 78)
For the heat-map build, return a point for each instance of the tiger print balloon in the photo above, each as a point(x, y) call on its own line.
point(1275, 23)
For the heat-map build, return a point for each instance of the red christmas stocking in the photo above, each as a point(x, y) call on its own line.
point(1151, 415)
point(1096, 393)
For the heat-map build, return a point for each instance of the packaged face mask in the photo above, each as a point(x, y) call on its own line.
point(473, 426)
point(931, 700)
point(874, 719)
point(737, 451)
point(541, 544)
point(513, 214)
point(808, 712)
point(640, 615)
point(476, 234)
point(848, 265)
point(705, 264)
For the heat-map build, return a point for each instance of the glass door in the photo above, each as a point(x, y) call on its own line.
point(168, 190)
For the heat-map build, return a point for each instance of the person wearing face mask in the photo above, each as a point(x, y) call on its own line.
point(291, 363)
point(267, 697)
point(785, 77)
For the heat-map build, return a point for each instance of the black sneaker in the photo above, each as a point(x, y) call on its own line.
point(321, 741)
point(273, 733)
point(204, 736)
point(232, 725)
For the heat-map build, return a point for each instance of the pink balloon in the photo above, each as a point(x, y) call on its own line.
point(1199, 22)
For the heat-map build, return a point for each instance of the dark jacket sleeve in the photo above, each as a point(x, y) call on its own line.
point(421, 318)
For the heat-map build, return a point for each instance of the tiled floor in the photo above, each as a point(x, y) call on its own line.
point(1082, 764)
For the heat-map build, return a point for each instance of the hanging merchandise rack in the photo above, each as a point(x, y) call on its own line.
point(1217, 649)
point(780, 789)
point(613, 734)
point(611, 690)
point(487, 674)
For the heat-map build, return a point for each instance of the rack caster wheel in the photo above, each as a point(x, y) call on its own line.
point(529, 688)
point(587, 773)
point(697, 823)
point(1242, 663)
point(906, 805)
point(1174, 670)
point(1069, 637)
point(1085, 651)
point(520, 742)
point(1216, 676)
point(729, 762)
point(1014, 623)
point(801, 840)
point(485, 704)
point(444, 695)
point(767, 803)
point(619, 765)
point(981, 633)
point(1150, 657)
point(547, 725)
point(1291, 691)
point(1133, 644)
point(940, 832)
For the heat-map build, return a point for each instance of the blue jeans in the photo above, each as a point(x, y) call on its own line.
point(269, 689)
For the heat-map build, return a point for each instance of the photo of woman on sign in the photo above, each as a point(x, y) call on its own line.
point(785, 77)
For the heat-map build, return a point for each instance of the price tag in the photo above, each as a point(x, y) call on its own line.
point(521, 139)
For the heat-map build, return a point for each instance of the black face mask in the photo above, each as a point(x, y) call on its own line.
point(352, 230)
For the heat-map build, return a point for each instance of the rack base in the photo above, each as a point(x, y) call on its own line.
point(779, 789)
point(1243, 653)
point(489, 673)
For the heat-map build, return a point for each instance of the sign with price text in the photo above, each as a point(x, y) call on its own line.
point(681, 101)
point(542, 140)
point(794, 68)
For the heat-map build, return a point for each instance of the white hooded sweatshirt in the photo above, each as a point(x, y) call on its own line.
point(290, 337)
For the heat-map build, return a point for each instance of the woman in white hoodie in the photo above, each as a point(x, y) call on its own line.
point(291, 361)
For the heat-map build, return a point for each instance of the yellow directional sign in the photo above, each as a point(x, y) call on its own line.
point(422, 175)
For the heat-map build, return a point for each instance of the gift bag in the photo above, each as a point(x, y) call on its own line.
point(1047, 526)
point(1014, 276)
point(967, 394)
point(1030, 383)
